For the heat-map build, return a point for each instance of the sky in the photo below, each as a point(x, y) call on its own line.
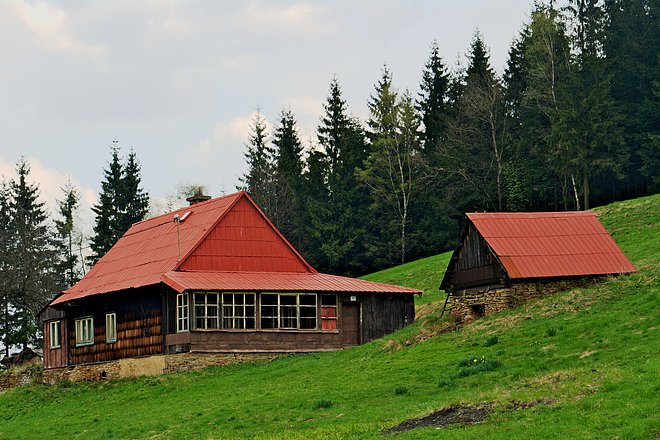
point(180, 81)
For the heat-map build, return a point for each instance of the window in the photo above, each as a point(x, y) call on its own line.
point(206, 311)
point(85, 331)
point(55, 334)
point(182, 312)
point(238, 310)
point(329, 312)
point(110, 327)
point(288, 311)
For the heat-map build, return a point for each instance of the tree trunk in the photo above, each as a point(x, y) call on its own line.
point(585, 189)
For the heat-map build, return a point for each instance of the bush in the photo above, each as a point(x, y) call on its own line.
point(475, 365)
point(491, 340)
point(322, 404)
point(400, 390)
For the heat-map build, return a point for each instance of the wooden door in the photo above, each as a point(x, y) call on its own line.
point(350, 324)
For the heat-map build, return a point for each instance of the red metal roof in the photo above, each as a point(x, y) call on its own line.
point(551, 244)
point(276, 281)
point(219, 239)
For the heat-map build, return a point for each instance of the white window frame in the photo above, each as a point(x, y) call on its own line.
point(297, 306)
point(55, 334)
point(110, 327)
point(84, 331)
point(234, 316)
point(182, 314)
point(206, 306)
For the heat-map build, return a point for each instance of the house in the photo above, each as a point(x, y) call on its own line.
point(218, 277)
point(503, 259)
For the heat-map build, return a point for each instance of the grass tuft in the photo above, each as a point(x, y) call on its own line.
point(322, 404)
point(475, 365)
point(491, 340)
point(400, 390)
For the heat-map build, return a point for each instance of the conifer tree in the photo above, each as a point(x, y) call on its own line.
point(68, 267)
point(258, 180)
point(122, 202)
point(288, 169)
point(35, 279)
point(7, 322)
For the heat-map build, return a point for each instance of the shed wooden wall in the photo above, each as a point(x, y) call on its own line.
point(383, 314)
point(475, 265)
point(139, 326)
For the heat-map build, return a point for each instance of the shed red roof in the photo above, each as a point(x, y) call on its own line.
point(219, 238)
point(551, 244)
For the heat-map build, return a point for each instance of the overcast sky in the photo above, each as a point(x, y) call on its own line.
point(179, 81)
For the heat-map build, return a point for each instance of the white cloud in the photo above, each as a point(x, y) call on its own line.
point(310, 19)
point(51, 182)
point(51, 28)
point(236, 131)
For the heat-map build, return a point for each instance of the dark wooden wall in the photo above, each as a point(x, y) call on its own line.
point(55, 357)
point(385, 313)
point(476, 265)
point(139, 325)
point(370, 317)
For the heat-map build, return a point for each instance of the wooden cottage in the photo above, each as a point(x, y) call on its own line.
point(502, 259)
point(213, 277)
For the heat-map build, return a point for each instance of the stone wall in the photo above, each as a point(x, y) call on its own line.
point(20, 377)
point(149, 366)
point(470, 304)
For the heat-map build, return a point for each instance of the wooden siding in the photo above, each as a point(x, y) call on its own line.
point(475, 264)
point(384, 314)
point(139, 326)
point(55, 357)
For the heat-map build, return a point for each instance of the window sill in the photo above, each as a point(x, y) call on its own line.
point(84, 344)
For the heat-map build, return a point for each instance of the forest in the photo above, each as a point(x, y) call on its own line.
point(572, 123)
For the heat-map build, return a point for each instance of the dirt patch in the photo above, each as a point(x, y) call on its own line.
point(460, 415)
point(451, 415)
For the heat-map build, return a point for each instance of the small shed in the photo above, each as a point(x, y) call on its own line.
point(216, 276)
point(503, 258)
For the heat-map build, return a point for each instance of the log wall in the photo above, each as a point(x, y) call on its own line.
point(139, 326)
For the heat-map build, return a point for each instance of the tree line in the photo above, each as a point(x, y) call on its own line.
point(571, 123)
point(42, 256)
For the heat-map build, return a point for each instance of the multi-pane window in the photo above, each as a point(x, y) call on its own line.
point(328, 312)
point(55, 334)
point(238, 310)
point(182, 312)
point(110, 327)
point(206, 311)
point(85, 331)
point(288, 311)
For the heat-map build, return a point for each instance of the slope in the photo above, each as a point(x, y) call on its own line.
point(586, 357)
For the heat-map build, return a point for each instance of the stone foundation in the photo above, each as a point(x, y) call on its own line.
point(149, 366)
point(11, 379)
point(470, 304)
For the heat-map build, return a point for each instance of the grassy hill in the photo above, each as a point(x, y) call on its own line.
point(580, 364)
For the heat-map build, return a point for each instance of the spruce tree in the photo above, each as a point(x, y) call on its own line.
point(288, 169)
point(107, 210)
point(258, 180)
point(122, 202)
point(35, 279)
point(68, 266)
point(7, 254)
point(337, 219)
point(134, 203)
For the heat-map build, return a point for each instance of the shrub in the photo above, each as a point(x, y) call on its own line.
point(551, 332)
point(491, 340)
point(475, 365)
point(400, 390)
point(322, 404)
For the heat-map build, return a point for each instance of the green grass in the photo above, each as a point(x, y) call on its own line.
point(600, 372)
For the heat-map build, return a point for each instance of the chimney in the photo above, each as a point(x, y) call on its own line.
point(198, 197)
